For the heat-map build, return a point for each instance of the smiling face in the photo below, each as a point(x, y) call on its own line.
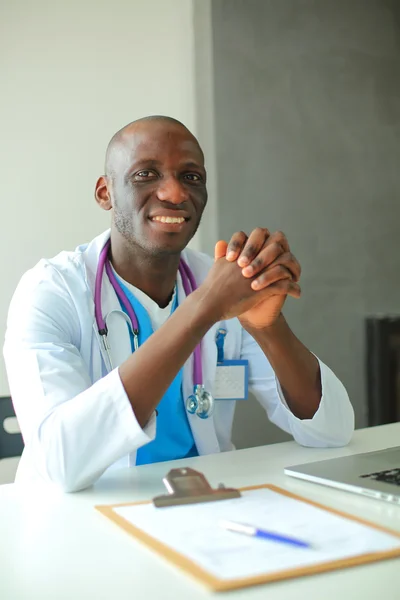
point(155, 185)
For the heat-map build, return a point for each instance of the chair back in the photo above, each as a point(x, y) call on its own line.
point(11, 444)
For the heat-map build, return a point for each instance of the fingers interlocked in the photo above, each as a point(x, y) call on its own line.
point(264, 257)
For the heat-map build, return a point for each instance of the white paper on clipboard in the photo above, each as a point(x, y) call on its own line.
point(194, 531)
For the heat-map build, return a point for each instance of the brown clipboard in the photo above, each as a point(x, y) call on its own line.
point(219, 585)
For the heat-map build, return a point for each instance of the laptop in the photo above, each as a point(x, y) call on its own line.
point(374, 474)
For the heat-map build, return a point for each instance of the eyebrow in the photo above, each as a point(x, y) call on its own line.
point(145, 161)
point(151, 162)
point(193, 165)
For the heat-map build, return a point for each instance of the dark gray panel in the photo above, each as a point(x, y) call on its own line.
point(307, 114)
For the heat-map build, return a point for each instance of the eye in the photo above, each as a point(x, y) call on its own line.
point(144, 174)
point(193, 177)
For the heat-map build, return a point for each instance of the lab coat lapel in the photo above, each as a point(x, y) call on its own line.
point(203, 430)
point(118, 333)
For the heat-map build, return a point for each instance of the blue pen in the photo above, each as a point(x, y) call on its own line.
point(261, 533)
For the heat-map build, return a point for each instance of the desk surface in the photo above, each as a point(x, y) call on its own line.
point(55, 546)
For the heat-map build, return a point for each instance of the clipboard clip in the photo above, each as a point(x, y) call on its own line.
point(187, 486)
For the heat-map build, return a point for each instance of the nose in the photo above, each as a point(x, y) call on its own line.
point(171, 190)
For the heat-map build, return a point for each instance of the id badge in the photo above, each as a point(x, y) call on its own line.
point(231, 380)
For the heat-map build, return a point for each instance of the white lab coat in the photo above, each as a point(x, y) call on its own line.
point(75, 417)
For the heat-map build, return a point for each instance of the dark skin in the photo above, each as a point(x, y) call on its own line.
point(155, 172)
point(162, 172)
point(264, 259)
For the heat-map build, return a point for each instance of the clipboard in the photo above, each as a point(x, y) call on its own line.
point(219, 585)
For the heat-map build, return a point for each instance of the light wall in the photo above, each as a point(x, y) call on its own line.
point(71, 74)
point(307, 114)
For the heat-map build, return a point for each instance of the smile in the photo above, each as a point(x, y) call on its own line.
point(162, 219)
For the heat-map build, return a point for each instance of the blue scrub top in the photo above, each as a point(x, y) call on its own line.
point(174, 437)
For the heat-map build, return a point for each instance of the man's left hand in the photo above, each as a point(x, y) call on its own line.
point(266, 259)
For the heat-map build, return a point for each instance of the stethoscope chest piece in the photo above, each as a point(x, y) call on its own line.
point(200, 402)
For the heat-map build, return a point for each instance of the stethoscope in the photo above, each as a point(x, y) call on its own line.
point(200, 402)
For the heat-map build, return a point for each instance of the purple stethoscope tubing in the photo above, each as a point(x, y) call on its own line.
point(189, 285)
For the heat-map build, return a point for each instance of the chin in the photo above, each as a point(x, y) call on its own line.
point(168, 244)
point(163, 249)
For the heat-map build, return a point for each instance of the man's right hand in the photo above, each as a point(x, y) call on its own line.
point(228, 294)
point(225, 293)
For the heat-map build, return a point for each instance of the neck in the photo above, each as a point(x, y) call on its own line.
point(155, 275)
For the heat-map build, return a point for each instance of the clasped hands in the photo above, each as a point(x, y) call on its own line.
point(266, 259)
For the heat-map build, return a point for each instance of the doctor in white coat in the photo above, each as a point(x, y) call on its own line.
point(86, 405)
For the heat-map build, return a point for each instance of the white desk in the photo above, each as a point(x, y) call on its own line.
point(57, 547)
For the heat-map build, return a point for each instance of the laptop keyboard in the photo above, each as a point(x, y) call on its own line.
point(390, 476)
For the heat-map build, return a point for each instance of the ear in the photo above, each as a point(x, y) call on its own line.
point(102, 193)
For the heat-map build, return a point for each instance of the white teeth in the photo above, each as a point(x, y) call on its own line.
point(169, 219)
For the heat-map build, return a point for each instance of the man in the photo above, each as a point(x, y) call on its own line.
point(87, 401)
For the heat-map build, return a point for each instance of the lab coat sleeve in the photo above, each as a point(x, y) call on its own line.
point(332, 424)
point(72, 430)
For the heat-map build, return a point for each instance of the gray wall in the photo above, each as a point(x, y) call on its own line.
point(307, 116)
